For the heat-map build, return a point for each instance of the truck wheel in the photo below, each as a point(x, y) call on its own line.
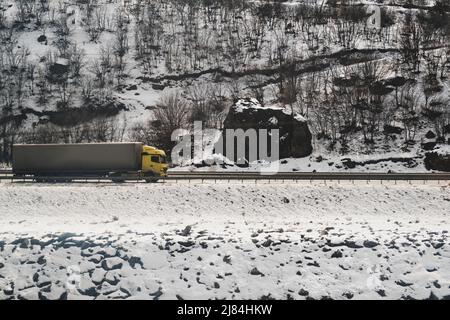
point(117, 178)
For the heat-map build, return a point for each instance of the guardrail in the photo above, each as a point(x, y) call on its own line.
point(312, 176)
point(229, 176)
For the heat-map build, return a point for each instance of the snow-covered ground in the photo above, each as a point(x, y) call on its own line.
point(230, 240)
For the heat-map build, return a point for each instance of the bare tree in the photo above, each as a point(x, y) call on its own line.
point(172, 113)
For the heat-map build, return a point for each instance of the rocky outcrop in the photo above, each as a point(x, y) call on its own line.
point(295, 136)
point(437, 161)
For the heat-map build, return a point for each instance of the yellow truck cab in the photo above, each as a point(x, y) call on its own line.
point(154, 161)
point(118, 160)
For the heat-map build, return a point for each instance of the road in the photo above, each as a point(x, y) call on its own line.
point(228, 176)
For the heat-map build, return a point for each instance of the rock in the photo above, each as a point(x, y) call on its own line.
point(396, 81)
point(133, 261)
point(428, 146)
point(337, 254)
point(186, 231)
point(403, 283)
point(352, 244)
point(447, 128)
point(430, 135)
point(267, 243)
point(28, 294)
point(313, 264)
point(96, 258)
point(157, 294)
point(256, 272)
point(98, 276)
point(387, 129)
point(431, 268)
point(285, 200)
point(154, 260)
point(381, 292)
point(227, 259)
point(348, 163)
point(436, 284)
point(432, 296)
point(436, 161)
point(92, 292)
point(370, 244)
point(52, 293)
point(41, 260)
point(156, 86)
point(348, 295)
point(132, 87)
point(112, 263)
point(437, 245)
point(295, 136)
point(188, 243)
point(59, 68)
point(303, 293)
point(42, 38)
point(112, 277)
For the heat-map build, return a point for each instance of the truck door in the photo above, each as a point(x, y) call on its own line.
point(146, 162)
point(150, 163)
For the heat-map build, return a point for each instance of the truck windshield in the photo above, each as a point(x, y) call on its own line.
point(162, 159)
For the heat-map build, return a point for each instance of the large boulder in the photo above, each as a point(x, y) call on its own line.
point(437, 161)
point(295, 136)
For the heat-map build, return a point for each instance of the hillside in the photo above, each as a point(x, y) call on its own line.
point(370, 78)
point(225, 241)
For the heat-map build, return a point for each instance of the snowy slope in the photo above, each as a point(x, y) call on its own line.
point(169, 241)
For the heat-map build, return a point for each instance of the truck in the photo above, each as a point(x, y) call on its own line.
point(116, 160)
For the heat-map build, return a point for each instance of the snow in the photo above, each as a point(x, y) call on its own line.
point(252, 103)
point(225, 240)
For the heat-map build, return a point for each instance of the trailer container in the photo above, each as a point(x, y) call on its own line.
point(87, 159)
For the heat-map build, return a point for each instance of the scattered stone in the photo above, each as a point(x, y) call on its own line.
point(348, 295)
point(437, 245)
point(370, 244)
point(256, 272)
point(337, 254)
point(381, 292)
point(352, 245)
point(133, 261)
point(188, 243)
point(157, 294)
point(42, 38)
point(267, 243)
point(41, 260)
point(112, 263)
point(227, 259)
point(430, 135)
point(403, 283)
point(303, 292)
point(186, 231)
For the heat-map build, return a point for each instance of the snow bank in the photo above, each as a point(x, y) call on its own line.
point(205, 241)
